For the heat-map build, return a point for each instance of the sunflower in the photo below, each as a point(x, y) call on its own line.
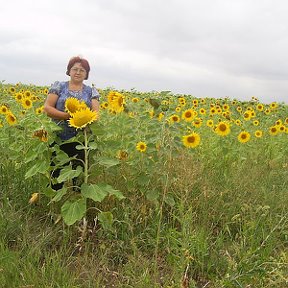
point(210, 123)
point(11, 119)
point(178, 109)
point(174, 118)
point(273, 105)
point(273, 130)
point(18, 97)
point(135, 100)
point(239, 109)
point(282, 128)
point(27, 93)
point(12, 90)
point(256, 122)
point(202, 111)
point(197, 122)
point(116, 101)
point(260, 107)
point(222, 129)
point(188, 115)
point(39, 110)
point(34, 198)
point(104, 105)
point(81, 118)
point(247, 115)
point(160, 116)
point(141, 146)
point(41, 134)
point(72, 105)
point(244, 137)
point(4, 109)
point(192, 140)
point(258, 133)
point(26, 103)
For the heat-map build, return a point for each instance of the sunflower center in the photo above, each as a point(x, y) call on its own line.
point(222, 127)
point(191, 139)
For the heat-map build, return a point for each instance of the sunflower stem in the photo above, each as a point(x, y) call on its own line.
point(85, 157)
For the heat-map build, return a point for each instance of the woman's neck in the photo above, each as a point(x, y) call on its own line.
point(76, 86)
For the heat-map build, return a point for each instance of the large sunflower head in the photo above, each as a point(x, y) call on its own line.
point(81, 118)
point(188, 115)
point(222, 129)
point(192, 140)
point(72, 105)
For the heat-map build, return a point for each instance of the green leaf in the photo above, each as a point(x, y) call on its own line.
point(40, 167)
point(59, 194)
point(152, 195)
point(108, 162)
point(93, 146)
point(143, 180)
point(68, 173)
point(93, 191)
point(169, 199)
point(111, 191)
point(73, 211)
point(106, 220)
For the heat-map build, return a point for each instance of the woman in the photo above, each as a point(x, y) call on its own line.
point(78, 69)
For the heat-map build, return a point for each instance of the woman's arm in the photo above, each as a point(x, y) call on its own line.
point(95, 105)
point(51, 111)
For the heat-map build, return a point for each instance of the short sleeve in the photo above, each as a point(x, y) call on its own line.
point(95, 94)
point(55, 88)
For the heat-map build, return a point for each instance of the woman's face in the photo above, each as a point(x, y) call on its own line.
point(77, 73)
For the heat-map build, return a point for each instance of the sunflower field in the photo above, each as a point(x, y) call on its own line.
point(174, 191)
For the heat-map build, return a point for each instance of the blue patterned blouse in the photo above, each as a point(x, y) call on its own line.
point(62, 90)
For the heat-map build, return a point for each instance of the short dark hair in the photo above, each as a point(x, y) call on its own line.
point(78, 59)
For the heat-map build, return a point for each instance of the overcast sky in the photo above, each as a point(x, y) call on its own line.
point(214, 48)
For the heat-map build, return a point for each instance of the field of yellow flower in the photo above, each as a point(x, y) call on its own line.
point(174, 189)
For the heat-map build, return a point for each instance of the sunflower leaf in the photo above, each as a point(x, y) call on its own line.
point(59, 194)
point(40, 167)
point(73, 211)
point(94, 192)
point(68, 173)
point(106, 220)
point(108, 162)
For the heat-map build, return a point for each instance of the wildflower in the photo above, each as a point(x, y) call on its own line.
point(141, 146)
point(81, 118)
point(192, 140)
